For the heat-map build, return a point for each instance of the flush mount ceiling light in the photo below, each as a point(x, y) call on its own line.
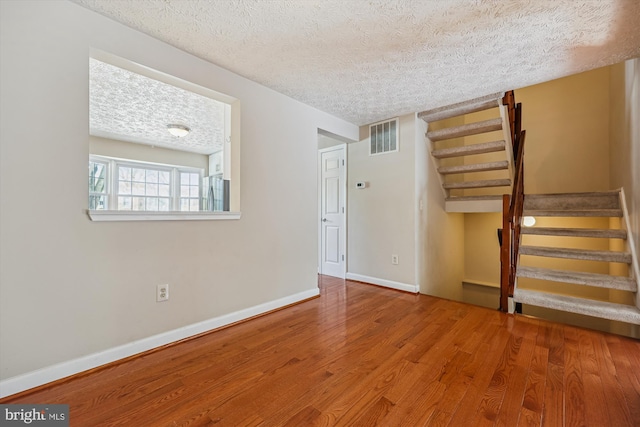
point(528, 221)
point(178, 130)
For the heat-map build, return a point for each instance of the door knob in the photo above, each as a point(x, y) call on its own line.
point(324, 219)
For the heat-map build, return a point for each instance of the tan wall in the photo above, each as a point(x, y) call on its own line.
point(567, 124)
point(381, 218)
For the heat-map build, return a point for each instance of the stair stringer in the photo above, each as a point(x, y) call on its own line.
point(630, 246)
point(506, 134)
point(436, 164)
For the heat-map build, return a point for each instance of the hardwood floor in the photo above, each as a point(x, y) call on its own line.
point(362, 356)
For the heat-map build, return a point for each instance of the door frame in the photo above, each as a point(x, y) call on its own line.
point(344, 187)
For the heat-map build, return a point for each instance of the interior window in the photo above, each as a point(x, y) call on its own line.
point(157, 143)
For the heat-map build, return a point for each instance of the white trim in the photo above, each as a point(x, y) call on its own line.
point(383, 282)
point(61, 370)
point(100, 216)
point(631, 245)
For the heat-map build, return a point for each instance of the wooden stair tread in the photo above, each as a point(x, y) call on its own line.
point(477, 184)
point(469, 150)
point(581, 254)
point(462, 108)
point(466, 129)
point(578, 278)
point(606, 310)
point(574, 212)
point(477, 167)
point(575, 232)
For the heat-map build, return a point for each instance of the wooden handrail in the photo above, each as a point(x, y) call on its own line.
point(512, 207)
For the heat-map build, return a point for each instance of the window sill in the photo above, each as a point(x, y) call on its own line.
point(160, 216)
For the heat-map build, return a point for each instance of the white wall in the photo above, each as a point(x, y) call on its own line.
point(71, 287)
point(146, 153)
point(624, 151)
point(381, 217)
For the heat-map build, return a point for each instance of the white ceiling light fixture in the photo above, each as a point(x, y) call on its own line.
point(178, 130)
point(528, 221)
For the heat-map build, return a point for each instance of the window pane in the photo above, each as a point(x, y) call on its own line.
point(195, 205)
point(195, 179)
point(184, 191)
point(372, 149)
point(124, 174)
point(163, 204)
point(184, 178)
point(138, 174)
point(164, 190)
point(138, 203)
point(124, 187)
point(379, 139)
point(195, 192)
point(152, 189)
point(386, 137)
point(164, 177)
point(184, 204)
point(152, 203)
point(138, 189)
point(392, 144)
point(124, 203)
point(152, 176)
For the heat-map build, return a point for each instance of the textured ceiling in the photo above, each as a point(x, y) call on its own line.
point(367, 60)
point(127, 106)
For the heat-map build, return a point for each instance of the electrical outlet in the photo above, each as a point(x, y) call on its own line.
point(394, 259)
point(162, 293)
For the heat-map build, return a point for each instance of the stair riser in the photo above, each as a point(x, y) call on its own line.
point(494, 166)
point(461, 108)
point(465, 130)
point(619, 283)
point(600, 213)
point(593, 233)
point(469, 150)
point(552, 203)
point(609, 311)
point(620, 258)
point(477, 184)
point(458, 111)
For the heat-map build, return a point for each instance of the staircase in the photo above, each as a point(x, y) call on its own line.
point(471, 147)
point(578, 269)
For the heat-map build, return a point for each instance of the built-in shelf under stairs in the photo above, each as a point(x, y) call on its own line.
point(471, 147)
point(596, 255)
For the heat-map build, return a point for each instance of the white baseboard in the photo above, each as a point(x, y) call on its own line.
point(383, 282)
point(61, 370)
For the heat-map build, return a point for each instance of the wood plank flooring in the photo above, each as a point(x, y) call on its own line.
point(363, 356)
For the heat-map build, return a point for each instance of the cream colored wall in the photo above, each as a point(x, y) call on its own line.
point(146, 153)
point(71, 287)
point(567, 124)
point(381, 216)
point(440, 244)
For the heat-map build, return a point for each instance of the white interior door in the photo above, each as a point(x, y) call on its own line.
point(332, 211)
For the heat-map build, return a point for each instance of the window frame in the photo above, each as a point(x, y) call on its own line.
point(113, 181)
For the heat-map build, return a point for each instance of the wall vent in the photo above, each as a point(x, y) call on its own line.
point(383, 137)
